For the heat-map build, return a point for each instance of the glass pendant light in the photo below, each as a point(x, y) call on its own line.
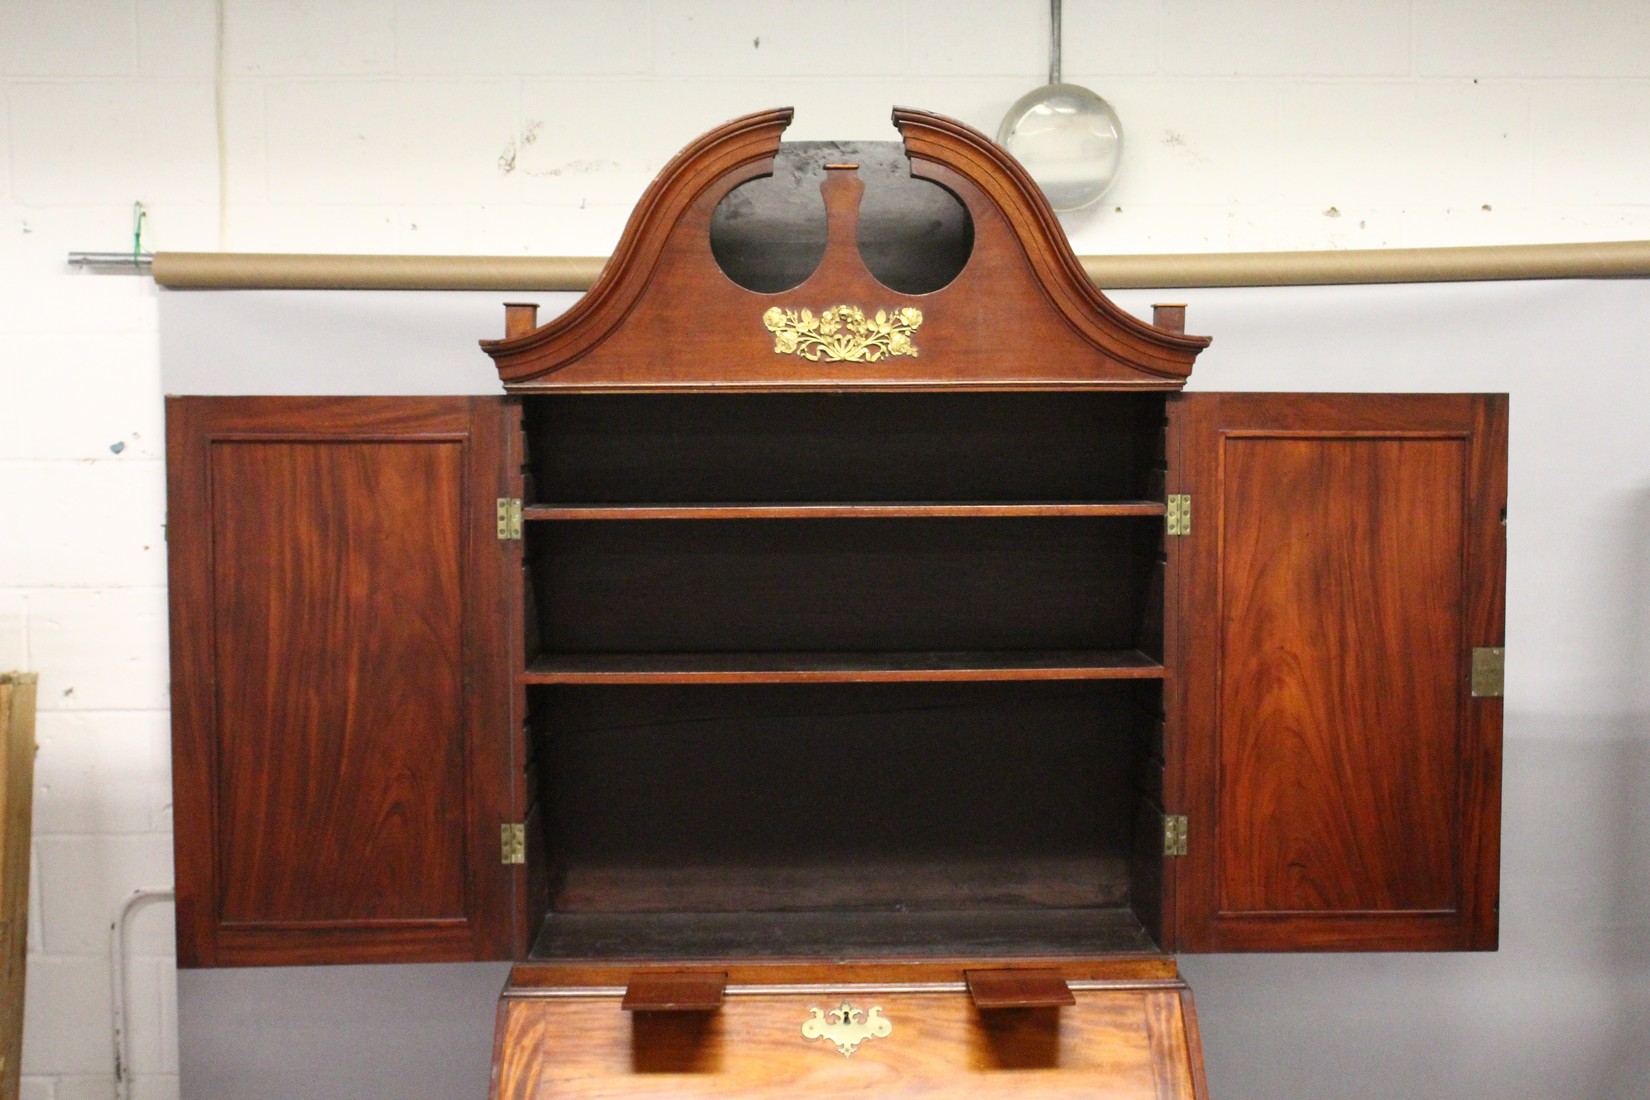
point(1068, 138)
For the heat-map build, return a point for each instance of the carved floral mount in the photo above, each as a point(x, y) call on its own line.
point(843, 334)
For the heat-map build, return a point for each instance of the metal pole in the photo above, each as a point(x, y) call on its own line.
point(1054, 42)
point(138, 263)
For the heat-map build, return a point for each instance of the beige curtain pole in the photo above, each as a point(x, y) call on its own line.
point(284, 271)
point(273, 271)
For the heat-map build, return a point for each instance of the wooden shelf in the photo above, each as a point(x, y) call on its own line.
point(966, 875)
point(843, 510)
point(783, 668)
point(1003, 933)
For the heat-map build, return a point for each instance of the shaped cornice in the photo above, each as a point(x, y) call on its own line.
point(935, 142)
point(740, 149)
point(662, 315)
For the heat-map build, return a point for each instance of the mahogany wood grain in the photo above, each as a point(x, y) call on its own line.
point(520, 318)
point(1002, 988)
point(1339, 707)
point(1169, 318)
point(1486, 614)
point(1152, 874)
point(683, 991)
point(1194, 1044)
point(1021, 289)
point(944, 971)
point(338, 679)
point(1121, 1040)
point(517, 633)
point(823, 668)
point(333, 566)
point(1339, 799)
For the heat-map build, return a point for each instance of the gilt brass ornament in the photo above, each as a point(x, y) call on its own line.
point(843, 334)
point(847, 1026)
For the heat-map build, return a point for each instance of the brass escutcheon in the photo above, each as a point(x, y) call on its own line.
point(847, 1026)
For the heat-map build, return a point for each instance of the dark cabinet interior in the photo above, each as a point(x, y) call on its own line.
point(812, 819)
point(868, 672)
point(1082, 448)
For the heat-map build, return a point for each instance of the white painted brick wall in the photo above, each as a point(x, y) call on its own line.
point(943, 38)
point(1264, 38)
point(67, 1002)
point(512, 126)
point(68, 39)
point(5, 146)
point(14, 637)
point(175, 39)
point(1583, 134)
point(395, 142)
point(1402, 130)
point(65, 136)
point(122, 669)
point(310, 37)
point(86, 790)
point(528, 38)
point(126, 423)
point(745, 38)
point(1531, 39)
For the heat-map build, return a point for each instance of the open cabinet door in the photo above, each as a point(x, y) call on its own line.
point(1339, 762)
point(341, 757)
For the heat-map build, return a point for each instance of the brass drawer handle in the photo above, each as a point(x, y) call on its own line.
point(847, 1026)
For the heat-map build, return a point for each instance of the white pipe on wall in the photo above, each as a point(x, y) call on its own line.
point(117, 982)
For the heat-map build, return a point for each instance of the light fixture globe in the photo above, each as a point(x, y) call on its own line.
point(1069, 139)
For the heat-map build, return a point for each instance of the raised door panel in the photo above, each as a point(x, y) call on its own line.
point(340, 765)
point(1340, 779)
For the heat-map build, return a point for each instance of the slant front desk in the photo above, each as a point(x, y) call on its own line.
point(843, 661)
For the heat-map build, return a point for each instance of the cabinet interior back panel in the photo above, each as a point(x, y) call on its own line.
point(340, 662)
point(842, 797)
point(928, 584)
point(652, 448)
point(1342, 699)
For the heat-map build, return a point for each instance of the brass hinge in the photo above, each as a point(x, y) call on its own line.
point(1489, 672)
point(512, 843)
point(509, 518)
point(1174, 834)
point(1179, 514)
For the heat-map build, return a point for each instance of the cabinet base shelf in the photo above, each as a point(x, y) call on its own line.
point(821, 668)
point(1007, 933)
point(961, 509)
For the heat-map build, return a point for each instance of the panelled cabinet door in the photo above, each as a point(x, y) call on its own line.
point(341, 767)
point(1339, 775)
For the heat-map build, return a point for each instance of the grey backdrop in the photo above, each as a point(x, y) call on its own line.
point(1561, 1012)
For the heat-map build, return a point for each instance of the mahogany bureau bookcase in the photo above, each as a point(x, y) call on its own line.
point(845, 649)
